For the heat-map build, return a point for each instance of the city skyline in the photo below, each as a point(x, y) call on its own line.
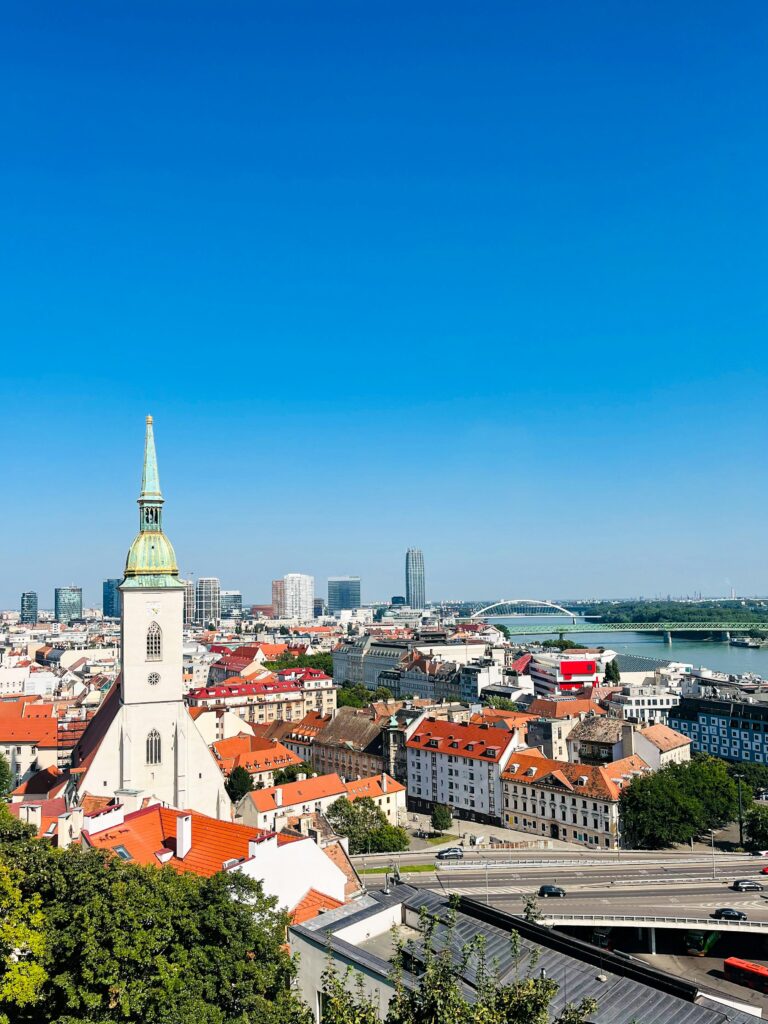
point(515, 295)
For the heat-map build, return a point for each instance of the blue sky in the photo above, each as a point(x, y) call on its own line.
point(487, 279)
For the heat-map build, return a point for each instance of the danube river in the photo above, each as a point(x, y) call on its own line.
point(709, 653)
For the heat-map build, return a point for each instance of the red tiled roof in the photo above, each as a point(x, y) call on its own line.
point(473, 741)
point(319, 787)
point(371, 787)
point(46, 782)
point(311, 905)
point(564, 707)
point(235, 687)
point(252, 753)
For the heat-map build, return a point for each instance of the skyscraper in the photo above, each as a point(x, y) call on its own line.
point(68, 604)
point(110, 602)
point(29, 607)
point(343, 593)
point(299, 596)
point(190, 601)
point(278, 599)
point(231, 604)
point(208, 601)
point(414, 578)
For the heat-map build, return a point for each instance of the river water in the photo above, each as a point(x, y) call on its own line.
point(708, 653)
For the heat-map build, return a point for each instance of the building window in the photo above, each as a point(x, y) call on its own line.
point(154, 643)
point(153, 747)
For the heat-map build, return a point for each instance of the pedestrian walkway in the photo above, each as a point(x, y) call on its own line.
point(482, 833)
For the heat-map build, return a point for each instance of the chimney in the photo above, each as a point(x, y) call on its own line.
point(70, 824)
point(183, 835)
point(383, 782)
point(627, 739)
point(278, 796)
point(32, 814)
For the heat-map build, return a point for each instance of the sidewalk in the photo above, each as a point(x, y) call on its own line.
point(464, 829)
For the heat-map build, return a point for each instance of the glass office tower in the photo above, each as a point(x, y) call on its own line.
point(343, 593)
point(68, 604)
point(414, 578)
point(29, 607)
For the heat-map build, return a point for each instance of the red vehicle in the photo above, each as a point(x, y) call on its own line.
point(742, 972)
point(764, 871)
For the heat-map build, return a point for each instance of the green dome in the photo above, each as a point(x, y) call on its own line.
point(151, 554)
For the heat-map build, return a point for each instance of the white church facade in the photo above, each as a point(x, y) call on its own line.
point(143, 743)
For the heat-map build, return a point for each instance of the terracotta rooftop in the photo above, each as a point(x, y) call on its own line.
point(473, 741)
point(252, 753)
point(664, 738)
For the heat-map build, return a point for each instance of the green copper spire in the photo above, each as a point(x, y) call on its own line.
point(151, 560)
point(150, 478)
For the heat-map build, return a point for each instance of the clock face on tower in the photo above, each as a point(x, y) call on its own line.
point(153, 609)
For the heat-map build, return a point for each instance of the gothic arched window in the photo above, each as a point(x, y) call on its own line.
point(154, 643)
point(153, 747)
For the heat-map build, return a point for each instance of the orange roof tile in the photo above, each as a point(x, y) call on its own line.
point(253, 753)
point(665, 738)
point(311, 905)
point(457, 738)
point(319, 787)
point(371, 787)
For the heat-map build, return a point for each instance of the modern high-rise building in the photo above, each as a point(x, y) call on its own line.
point(414, 578)
point(68, 604)
point(208, 601)
point(299, 596)
point(278, 599)
point(343, 593)
point(231, 604)
point(319, 607)
point(110, 599)
point(190, 601)
point(29, 607)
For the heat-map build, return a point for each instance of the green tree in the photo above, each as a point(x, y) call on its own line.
point(677, 803)
point(612, 674)
point(292, 772)
point(501, 704)
point(322, 661)
point(238, 784)
point(366, 826)
point(442, 818)
point(531, 909)
point(504, 630)
point(22, 945)
point(756, 828)
point(6, 777)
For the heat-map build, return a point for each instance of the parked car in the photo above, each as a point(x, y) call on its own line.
point(764, 871)
point(729, 914)
point(551, 890)
point(452, 853)
point(747, 885)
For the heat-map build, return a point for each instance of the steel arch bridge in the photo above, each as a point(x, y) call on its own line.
point(521, 606)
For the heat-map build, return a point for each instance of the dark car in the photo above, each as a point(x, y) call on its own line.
point(452, 853)
point(747, 885)
point(550, 890)
point(729, 914)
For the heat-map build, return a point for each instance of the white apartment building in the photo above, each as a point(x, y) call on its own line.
point(648, 701)
point(208, 601)
point(299, 596)
point(459, 765)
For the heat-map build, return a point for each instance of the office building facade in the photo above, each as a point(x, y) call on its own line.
point(68, 604)
point(731, 729)
point(343, 593)
point(299, 596)
point(208, 601)
point(29, 607)
point(190, 602)
point(231, 604)
point(415, 594)
point(278, 599)
point(110, 599)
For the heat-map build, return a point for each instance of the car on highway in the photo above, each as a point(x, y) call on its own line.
point(729, 914)
point(747, 885)
point(764, 871)
point(452, 853)
point(551, 890)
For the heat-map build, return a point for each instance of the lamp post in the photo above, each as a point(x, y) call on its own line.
point(741, 811)
point(714, 873)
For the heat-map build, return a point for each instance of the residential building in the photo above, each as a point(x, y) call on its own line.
point(732, 729)
point(29, 608)
point(261, 758)
point(459, 765)
point(659, 746)
point(278, 599)
point(299, 596)
point(68, 604)
point(142, 738)
point(303, 734)
point(648, 701)
point(343, 593)
point(362, 660)
point(304, 879)
point(270, 808)
point(578, 803)
point(263, 700)
point(110, 603)
point(415, 592)
point(190, 602)
point(208, 601)
point(231, 604)
point(360, 941)
point(599, 740)
point(351, 744)
point(550, 735)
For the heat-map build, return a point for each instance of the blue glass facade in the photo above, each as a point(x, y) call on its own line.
point(733, 730)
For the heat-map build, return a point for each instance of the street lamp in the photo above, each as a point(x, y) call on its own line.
point(741, 811)
point(714, 873)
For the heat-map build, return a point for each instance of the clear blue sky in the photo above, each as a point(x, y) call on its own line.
point(488, 279)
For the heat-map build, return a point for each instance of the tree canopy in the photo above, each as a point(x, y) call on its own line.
point(322, 661)
point(366, 826)
point(238, 784)
point(359, 696)
point(6, 776)
point(677, 803)
point(756, 828)
point(111, 941)
point(442, 817)
point(292, 772)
